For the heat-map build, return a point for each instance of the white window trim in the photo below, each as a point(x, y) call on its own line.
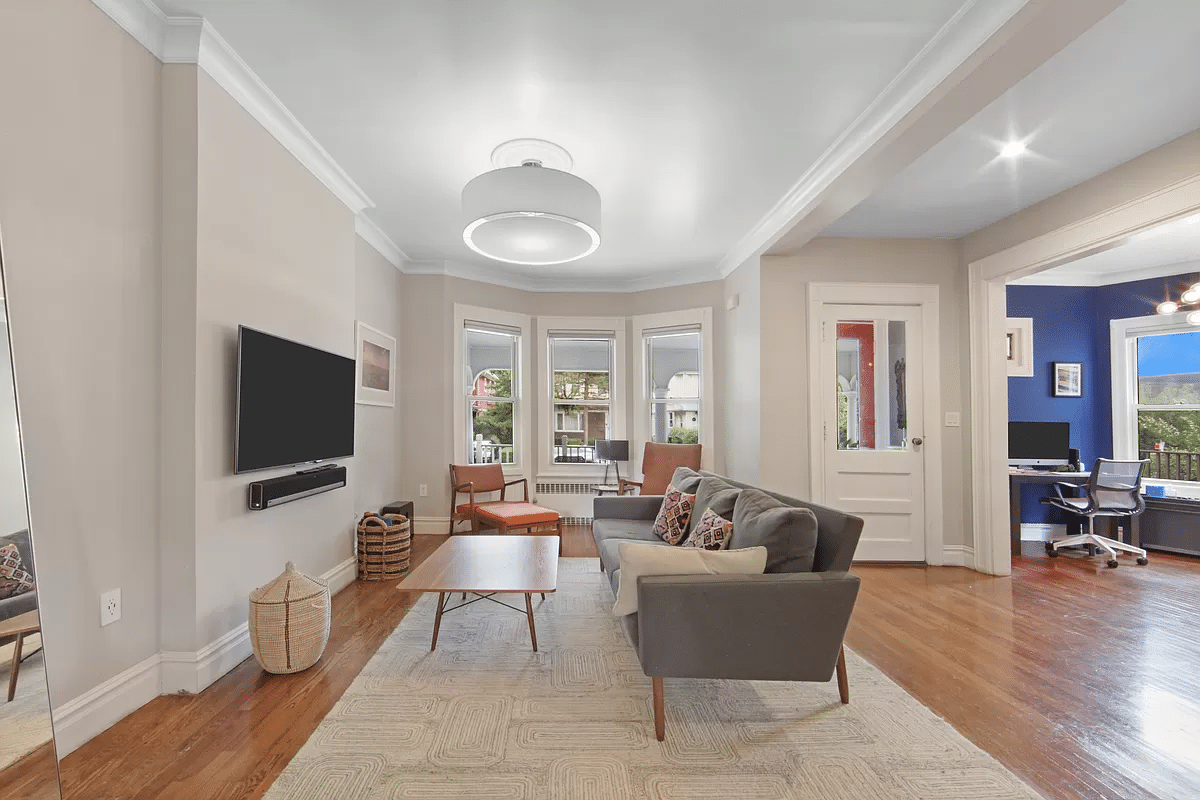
point(1122, 350)
point(616, 389)
point(641, 412)
point(521, 392)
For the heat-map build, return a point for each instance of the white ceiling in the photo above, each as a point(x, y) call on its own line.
point(1170, 249)
point(1126, 86)
point(692, 119)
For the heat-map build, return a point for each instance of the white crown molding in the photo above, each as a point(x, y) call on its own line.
point(497, 276)
point(192, 40)
point(974, 23)
point(1097, 278)
point(142, 19)
point(373, 235)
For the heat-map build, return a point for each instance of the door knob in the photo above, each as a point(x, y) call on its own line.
point(916, 441)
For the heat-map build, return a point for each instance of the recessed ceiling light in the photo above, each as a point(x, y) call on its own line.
point(1012, 149)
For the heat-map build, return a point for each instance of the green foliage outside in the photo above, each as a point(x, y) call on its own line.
point(496, 421)
point(1179, 431)
point(683, 436)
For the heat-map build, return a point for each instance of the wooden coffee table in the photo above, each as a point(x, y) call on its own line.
point(20, 626)
point(486, 566)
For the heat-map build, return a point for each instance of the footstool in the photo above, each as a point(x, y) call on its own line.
point(520, 516)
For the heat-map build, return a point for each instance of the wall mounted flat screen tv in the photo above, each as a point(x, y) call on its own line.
point(1039, 444)
point(295, 403)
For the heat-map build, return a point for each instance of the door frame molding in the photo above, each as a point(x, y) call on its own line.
point(885, 294)
point(988, 300)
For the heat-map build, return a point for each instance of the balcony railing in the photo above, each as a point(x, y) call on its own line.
point(574, 454)
point(489, 453)
point(1172, 465)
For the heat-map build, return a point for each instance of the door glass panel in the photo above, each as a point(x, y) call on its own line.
point(872, 411)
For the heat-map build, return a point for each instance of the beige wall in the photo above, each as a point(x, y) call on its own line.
point(79, 212)
point(276, 252)
point(786, 372)
point(427, 349)
point(742, 354)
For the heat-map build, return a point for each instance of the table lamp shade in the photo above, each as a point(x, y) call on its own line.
point(612, 449)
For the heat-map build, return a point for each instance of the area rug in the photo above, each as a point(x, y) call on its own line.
point(485, 717)
point(25, 722)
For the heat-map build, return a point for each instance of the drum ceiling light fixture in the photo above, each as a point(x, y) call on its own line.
point(530, 209)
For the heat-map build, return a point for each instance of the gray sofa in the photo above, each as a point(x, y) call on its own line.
point(775, 626)
point(13, 606)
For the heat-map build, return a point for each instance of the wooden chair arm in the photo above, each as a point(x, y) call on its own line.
point(504, 491)
point(624, 483)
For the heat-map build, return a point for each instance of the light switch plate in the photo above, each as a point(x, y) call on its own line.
point(953, 420)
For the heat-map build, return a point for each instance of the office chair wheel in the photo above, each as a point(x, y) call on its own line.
point(1112, 563)
point(1050, 551)
point(1143, 560)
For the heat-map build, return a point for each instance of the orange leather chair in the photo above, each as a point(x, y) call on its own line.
point(477, 479)
point(659, 462)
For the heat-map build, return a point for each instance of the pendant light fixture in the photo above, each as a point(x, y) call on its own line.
point(530, 209)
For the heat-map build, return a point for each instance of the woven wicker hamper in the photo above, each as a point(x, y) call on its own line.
point(289, 622)
point(384, 545)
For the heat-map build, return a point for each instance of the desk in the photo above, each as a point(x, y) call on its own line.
point(1074, 522)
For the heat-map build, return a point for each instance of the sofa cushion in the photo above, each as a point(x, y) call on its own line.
point(14, 578)
point(641, 530)
point(671, 525)
point(609, 558)
point(716, 494)
point(637, 559)
point(686, 479)
point(711, 533)
point(789, 533)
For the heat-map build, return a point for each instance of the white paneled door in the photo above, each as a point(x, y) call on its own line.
point(872, 406)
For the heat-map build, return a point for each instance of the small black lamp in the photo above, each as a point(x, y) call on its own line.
point(612, 451)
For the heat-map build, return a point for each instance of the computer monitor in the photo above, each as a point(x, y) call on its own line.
point(1039, 444)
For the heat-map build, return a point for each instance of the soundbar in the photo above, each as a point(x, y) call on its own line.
point(276, 491)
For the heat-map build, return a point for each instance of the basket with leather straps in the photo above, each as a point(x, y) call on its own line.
point(384, 545)
point(289, 622)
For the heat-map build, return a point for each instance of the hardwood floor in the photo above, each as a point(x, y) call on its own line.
point(1082, 680)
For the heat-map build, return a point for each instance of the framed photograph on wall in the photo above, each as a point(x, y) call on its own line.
point(374, 367)
point(1068, 379)
point(1018, 346)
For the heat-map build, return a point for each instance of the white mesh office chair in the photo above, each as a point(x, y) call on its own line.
point(1113, 490)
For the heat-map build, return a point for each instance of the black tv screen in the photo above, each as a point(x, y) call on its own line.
point(295, 403)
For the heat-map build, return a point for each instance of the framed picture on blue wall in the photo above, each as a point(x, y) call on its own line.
point(1068, 379)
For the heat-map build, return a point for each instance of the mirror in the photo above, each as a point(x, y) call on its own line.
point(28, 764)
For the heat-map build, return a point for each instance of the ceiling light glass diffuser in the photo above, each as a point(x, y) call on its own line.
point(1167, 307)
point(1193, 318)
point(531, 215)
point(1012, 149)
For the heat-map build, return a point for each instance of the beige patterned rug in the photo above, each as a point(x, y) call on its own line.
point(25, 722)
point(485, 717)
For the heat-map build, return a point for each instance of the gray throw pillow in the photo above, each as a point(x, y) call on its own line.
point(789, 533)
point(716, 494)
point(685, 479)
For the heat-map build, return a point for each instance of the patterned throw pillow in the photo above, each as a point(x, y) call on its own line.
point(671, 522)
point(14, 580)
point(712, 532)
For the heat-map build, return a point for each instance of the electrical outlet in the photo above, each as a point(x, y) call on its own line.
point(424, 490)
point(110, 607)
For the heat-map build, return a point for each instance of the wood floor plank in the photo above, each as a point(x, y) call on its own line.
point(1080, 679)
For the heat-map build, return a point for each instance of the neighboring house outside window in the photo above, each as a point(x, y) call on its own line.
point(580, 371)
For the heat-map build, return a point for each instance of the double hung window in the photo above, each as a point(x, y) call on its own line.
point(581, 366)
point(491, 360)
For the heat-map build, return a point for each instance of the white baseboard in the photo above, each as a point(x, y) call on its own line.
point(958, 555)
point(96, 710)
point(431, 524)
point(1042, 531)
point(93, 712)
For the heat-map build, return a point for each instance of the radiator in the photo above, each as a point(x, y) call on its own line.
point(571, 499)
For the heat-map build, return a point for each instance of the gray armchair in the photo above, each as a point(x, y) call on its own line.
point(786, 626)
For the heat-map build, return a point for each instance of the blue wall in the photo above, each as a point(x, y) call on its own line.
point(1071, 323)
